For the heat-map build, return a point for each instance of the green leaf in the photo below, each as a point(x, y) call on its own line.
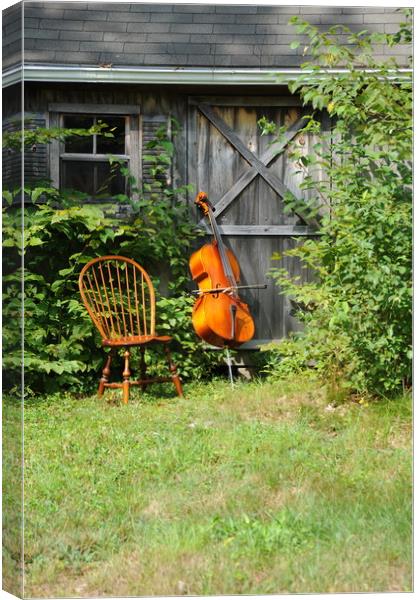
point(8, 196)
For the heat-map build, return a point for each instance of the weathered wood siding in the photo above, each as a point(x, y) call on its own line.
point(220, 150)
point(154, 106)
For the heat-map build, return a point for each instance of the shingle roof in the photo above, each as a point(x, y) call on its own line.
point(199, 35)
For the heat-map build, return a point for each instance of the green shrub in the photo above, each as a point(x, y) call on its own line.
point(357, 308)
point(60, 235)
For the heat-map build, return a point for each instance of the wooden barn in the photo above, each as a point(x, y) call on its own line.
point(215, 68)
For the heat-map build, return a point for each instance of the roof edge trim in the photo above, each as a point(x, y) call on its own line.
point(165, 75)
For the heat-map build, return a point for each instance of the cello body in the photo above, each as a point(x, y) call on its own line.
point(219, 318)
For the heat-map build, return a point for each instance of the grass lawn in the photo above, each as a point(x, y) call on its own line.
point(264, 489)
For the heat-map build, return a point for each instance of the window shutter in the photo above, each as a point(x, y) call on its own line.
point(150, 128)
point(35, 158)
point(12, 159)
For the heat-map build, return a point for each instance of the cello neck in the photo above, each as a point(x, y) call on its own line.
point(204, 204)
point(221, 248)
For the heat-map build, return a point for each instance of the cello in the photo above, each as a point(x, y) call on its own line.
point(219, 316)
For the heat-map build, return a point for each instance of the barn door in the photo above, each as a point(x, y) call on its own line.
point(246, 176)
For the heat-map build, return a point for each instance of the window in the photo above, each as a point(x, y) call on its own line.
point(82, 163)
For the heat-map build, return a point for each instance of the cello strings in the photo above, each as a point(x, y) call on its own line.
point(222, 252)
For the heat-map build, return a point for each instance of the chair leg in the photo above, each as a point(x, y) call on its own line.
point(174, 373)
point(126, 375)
point(105, 375)
point(143, 368)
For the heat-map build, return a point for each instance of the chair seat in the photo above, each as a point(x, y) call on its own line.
point(137, 340)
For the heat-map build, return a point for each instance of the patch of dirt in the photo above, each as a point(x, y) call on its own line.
point(154, 509)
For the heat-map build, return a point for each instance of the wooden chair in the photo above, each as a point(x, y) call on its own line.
point(119, 297)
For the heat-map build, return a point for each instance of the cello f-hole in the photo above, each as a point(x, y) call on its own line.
point(233, 311)
point(216, 294)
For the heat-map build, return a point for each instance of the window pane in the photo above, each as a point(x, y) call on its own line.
point(110, 181)
point(76, 143)
point(77, 175)
point(116, 144)
point(99, 180)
